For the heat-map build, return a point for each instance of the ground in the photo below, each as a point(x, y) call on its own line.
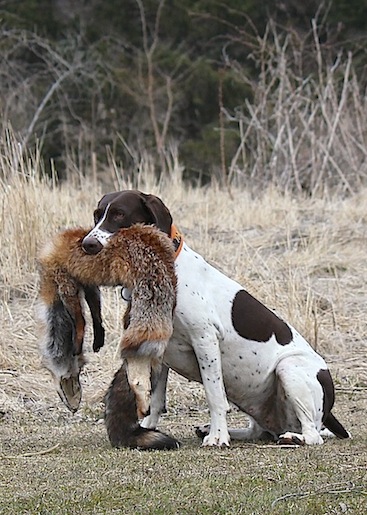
point(304, 257)
point(56, 462)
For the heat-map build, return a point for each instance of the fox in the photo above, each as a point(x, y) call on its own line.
point(140, 259)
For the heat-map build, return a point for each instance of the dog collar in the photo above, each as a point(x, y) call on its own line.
point(177, 240)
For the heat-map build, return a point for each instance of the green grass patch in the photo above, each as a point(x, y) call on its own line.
point(84, 475)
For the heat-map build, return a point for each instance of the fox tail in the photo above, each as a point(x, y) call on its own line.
point(121, 419)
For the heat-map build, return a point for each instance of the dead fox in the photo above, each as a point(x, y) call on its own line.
point(140, 258)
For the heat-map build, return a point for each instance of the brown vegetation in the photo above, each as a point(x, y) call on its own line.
point(304, 256)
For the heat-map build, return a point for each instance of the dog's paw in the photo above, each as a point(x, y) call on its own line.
point(291, 439)
point(311, 437)
point(217, 439)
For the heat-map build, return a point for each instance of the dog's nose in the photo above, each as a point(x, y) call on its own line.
point(91, 245)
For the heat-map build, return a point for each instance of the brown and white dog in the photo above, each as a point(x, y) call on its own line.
point(230, 342)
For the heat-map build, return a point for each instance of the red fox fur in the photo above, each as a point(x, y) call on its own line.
point(140, 258)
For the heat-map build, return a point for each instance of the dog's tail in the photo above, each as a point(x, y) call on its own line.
point(329, 421)
point(121, 419)
point(333, 425)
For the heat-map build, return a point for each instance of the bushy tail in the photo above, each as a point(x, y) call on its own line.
point(121, 419)
point(64, 325)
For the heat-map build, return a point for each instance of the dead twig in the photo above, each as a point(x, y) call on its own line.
point(349, 389)
point(330, 489)
point(30, 454)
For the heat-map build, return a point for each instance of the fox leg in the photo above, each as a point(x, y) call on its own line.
point(139, 376)
point(58, 353)
point(64, 331)
point(158, 398)
point(73, 305)
point(93, 299)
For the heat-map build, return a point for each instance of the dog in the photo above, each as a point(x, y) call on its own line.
point(230, 342)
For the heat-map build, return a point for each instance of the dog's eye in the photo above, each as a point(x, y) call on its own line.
point(118, 216)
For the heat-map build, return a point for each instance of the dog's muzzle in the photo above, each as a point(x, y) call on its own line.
point(91, 245)
point(95, 241)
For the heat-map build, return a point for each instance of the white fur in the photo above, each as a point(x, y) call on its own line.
point(99, 234)
point(205, 347)
point(153, 349)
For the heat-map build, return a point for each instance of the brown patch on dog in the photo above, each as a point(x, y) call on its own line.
point(133, 206)
point(253, 321)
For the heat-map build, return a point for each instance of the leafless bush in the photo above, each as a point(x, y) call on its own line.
point(48, 92)
point(305, 133)
point(86, 103)
point(303, 129)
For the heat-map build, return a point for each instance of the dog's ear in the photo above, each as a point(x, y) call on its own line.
point(160, 213)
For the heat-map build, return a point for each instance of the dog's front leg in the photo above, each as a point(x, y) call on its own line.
point(207, 352)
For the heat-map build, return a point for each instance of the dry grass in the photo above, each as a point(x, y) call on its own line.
point(303, 256)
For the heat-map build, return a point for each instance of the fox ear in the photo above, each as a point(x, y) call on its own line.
point(160, 213)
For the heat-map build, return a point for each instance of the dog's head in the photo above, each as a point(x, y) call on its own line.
point(123, 209)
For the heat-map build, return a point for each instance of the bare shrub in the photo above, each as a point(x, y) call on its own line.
point(51, 93)
point(301, 132)
point(87, 103)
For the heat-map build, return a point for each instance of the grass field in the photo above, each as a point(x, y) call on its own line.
point(303, 256)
